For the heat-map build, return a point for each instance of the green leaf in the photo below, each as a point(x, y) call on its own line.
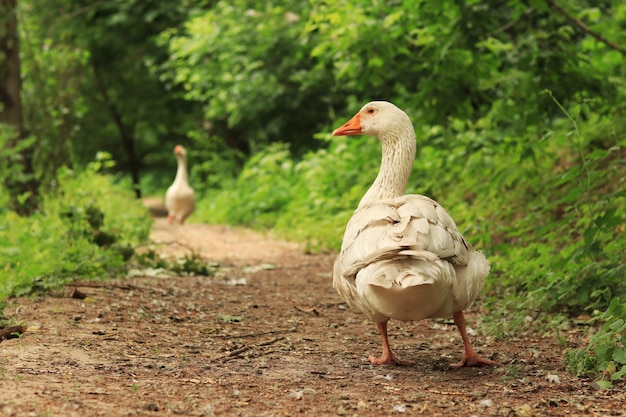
point(609, 219)
point(618, 325)
point(617, 375)
point(230, 319)
point(619, 356)
point(604, 384)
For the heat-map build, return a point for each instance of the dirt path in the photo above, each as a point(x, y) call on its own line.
point(266, 336)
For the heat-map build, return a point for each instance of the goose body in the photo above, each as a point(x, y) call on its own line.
point(180, 199)
point(402, 256)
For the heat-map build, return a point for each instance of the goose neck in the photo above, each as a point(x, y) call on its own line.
point(398, 154)
point(181, 172)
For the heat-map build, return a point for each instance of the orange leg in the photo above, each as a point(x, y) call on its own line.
point(170, 219)
point(387, 358)
point(470, 357)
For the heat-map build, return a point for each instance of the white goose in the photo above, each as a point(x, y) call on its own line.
point(180, 199)
point(402, 256)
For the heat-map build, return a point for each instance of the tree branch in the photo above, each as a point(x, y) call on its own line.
point(73, 14)
point(581, 25)
point(128, 141)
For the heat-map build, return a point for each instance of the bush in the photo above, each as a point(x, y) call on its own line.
point(86, 229)
point(606, 352)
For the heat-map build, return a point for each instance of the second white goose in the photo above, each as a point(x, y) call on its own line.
point(180, 199)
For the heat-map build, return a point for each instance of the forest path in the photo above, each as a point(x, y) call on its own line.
point(266, 336)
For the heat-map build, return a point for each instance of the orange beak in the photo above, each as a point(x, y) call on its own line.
point(352, 127)
point(178, 149)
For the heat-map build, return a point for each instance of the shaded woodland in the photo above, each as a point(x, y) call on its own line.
point(518, 109)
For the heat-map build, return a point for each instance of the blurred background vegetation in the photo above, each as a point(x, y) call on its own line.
point(518, 106)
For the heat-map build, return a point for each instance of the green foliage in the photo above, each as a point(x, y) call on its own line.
point(309, 201)
point(606, 351)
point(460, 59)
point(565, 254)
point(90, 71)
point(262, 189)
point(13, 172)
point(328, 185)
point(245, 62)
point(86, 229)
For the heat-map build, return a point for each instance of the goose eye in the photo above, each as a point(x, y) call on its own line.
point(370, 111)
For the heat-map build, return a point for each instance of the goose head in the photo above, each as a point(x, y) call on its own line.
point(394, 130)
point(376, 118)
point(179, 150)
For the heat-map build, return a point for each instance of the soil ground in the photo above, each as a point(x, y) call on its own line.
point(266, 336)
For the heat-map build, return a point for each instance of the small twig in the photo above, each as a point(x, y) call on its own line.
point(91, 284)
point(194, 251)
point(270, 342)
point(243, 349)
point(239, 351)
point(241, 336)
point(308, 310)
point(73, 14)
point(436, 391)
point(581, 25)
point(504, 27)
point(329, 305)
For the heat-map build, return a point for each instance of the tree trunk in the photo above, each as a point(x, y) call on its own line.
point(10, 84)
point(23, 187)
point(128, 140)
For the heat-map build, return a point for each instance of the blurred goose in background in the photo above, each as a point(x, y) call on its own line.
point(180, 199)
point(402, 256)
